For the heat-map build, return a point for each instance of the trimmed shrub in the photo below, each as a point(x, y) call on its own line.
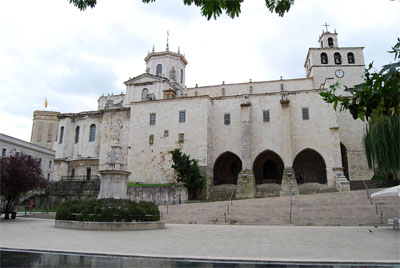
point(108, 210)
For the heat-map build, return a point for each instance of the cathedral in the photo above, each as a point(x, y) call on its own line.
point(250, 137)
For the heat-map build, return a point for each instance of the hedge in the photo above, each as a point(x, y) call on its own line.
point(108, 210)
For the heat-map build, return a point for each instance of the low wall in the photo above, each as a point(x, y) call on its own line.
point(160, 195)
point(61, 191)
point(110, 226)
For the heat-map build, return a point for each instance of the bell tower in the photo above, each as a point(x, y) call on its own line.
point(331, 63)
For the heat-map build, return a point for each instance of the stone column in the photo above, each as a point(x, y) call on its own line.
point(114, 184)
point(245, 182)
point(289, 183)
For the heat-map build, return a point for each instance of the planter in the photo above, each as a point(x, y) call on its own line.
point(110, 226)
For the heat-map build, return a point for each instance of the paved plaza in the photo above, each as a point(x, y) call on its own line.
point(213, 242)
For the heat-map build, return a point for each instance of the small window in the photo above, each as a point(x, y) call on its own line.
point(305, 113)
point(182, 116)
point(145, 94)
point(48, 176)
point(61, 134)
point(181, 76)
point(227, 119)
point(3, 152)
point(73, 173)
point(50, 163)
point(151, 139)
point(166, 133)
point(266, 116)
point(350, 58)
point(181, 137)
point(92, 135)
point(324, 58)
point(152, 119)
point(330, 42)
point(159, 70)
point(77, 134)
point(338, 58)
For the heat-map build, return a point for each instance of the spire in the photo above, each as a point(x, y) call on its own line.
point(167, 40)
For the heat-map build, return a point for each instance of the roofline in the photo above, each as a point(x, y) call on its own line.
point(27, 145)
point(152, 54)
point(251, 83)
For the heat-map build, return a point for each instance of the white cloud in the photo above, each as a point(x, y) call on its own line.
point(51, 49)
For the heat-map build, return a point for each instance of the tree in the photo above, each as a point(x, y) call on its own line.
point(376, 101)
point(19, 173)
point(210, 8)
point(188, 172)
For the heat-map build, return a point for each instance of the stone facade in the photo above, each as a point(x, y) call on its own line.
point(264, 127)
point(44, 128)
point(9, 145)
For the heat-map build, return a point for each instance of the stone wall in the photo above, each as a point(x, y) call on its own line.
point(159, 195)
point(61, 191)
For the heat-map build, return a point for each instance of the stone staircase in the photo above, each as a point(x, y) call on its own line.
point(331, 209)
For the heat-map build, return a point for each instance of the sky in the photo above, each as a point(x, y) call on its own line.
point(49, 49)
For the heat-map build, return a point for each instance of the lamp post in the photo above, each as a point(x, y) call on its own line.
point(289, 174)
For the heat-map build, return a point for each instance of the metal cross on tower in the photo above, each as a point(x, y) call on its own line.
point(326, 25)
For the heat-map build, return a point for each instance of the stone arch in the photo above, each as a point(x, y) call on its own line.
point(338, 58)
point(268, 168)
point(324, 58)
point(227, 168)
point(330, 42)
point(309, 166)
point(345, 164)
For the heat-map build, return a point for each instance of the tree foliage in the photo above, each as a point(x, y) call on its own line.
point(377, 101)
point(382, 145)
point(188, 172)
point(19, 173)
point(210, 8)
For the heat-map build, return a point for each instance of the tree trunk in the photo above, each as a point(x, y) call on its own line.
point(7, 211)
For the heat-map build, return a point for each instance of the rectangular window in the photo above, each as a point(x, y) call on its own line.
point(48, 176)
point(166, 133)
point(61, 134)
point(305, 113)
point(266, 116)
point(227, 119)
point(181, 137)
point(182, 116)
point(50, 163)
point(40, 131)
point(3, 152)
point(50, 133)
point(152, 119)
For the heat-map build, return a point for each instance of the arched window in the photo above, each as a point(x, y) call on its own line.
point(330, 42)
point(61, 134)
point(159, 70)
point(324, 58)
point(350, 57)
point(92, 134)
point(338, 58)
point(145, 94)
point(77, 134)
point(181, 76)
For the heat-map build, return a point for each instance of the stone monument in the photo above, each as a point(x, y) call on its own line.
point(113, 179)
